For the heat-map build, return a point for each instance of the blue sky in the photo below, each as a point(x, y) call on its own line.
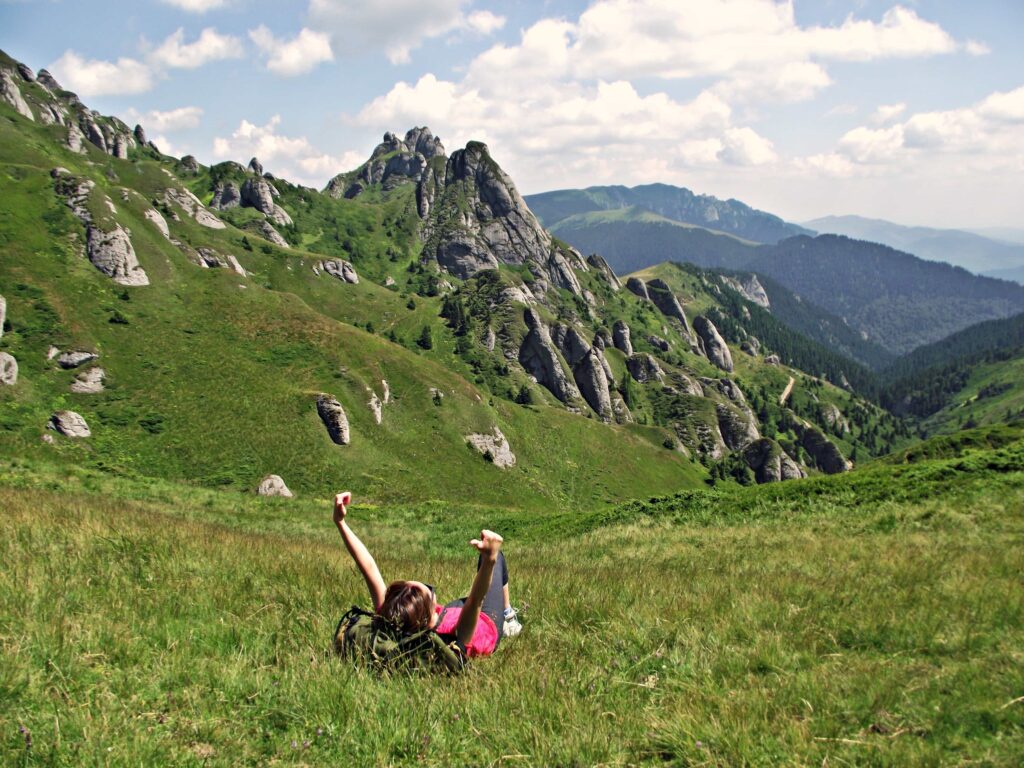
point(911, 111)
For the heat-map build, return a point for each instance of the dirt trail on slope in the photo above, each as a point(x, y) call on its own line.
point(785, 393)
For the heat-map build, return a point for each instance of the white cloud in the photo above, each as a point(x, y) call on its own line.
point(296, 56)
point(101, 78)
point(293, 158)
point(178, 119)
point(484, 22)
point(977, 48)
point(1007, 107)
point(887, 112)
point(398, 27)
point(197, 6)
point(742, 146)
point(209, 46)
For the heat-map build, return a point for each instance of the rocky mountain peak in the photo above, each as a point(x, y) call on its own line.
point(392, 163)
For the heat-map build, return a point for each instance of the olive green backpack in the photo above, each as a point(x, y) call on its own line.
point(367, 637)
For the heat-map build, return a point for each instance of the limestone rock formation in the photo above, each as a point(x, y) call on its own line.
point(69, 424)
point(823, 452)
point(538, 357)
point(387, 391)
point(644, 368)
point(74, 359)
point(604, 270)
point(89, 382)
point(3, 314)
point(271, 234)
point(153, 215)
point(255, 166)
point(737, 426)
point(751, 345)
point(621, 338)
point(334, 418)
point(340, 269)
point(192, 206)
point(273, 485)
point(639, 287)
point(496, 445)
point(259, 194)
point(8, 369)
point(140, 135)
point(667, 302)
point(772, 360)
point(393, 162)
point(714, 345)
point(658, 343)
point(750, 288)
point(588, 369)
point(11, 93)
point(770, 463)
point(835, 419)
point(113, 255)
point(225, 196)
point(189, 164)
point(75, 140)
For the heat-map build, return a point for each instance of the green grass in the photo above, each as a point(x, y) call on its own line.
point(874, 618)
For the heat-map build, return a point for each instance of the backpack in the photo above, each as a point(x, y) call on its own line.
point(367, 637)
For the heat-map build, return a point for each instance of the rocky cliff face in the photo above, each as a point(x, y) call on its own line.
point(394, 162)
point(538, 357)
point(750, 288)
point(770, 463)
point(713, 344)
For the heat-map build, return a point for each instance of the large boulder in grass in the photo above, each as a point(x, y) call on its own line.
point(621, 338)
point(113, 255)
point(74, 359)
point(495, 447)
point(89, 382)
point(69, 424)
point(334, 418)
point(714, 345)
point(770, 463)
point(273, 485)
point(3, 314)
point(8, 369)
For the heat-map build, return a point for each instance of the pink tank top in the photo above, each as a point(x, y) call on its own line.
point(485, 638)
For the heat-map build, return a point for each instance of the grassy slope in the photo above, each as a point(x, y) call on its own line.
point(993, 394)
point(869, 618)
point(216, 383)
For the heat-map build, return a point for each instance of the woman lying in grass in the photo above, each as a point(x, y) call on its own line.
point(476, 622)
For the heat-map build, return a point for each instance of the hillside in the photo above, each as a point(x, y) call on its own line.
point(675, 203)
point(868, 615)
point(974, 252)
point(411, 327)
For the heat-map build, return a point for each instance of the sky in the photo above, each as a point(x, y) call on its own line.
point(910, 111)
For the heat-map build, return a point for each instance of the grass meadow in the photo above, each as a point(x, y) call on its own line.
point(874, 619)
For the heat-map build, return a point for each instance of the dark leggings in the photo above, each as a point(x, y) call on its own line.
point(494, 600)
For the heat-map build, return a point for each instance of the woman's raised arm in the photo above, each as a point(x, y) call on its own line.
point(364, 560)
point(488, 545)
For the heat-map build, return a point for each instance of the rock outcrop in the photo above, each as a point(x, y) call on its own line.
point(376, 407)
point(89, 382)
point(69, 360)
point(494, 446)
point(334, 418)
point(621, 338)
point(255, 166)
point(667, 302)
point(604, 270)
point(192, 206)
point(11, 93)
point(823, 452)
point(273, 485)
point(639, 287)
point(538, 357)
point(751, 345)
point(340, 269)
point(737, 426)
point(257, 193)
point(714, 345)
point(113, 255)
point(835, 419)
point(153, 215)
point(269, 233)
point(69, 424)
point(8, 369)
point(659, 343)
point(644, 368)
point(588, 369)
point(3, 314)
point(393, 162)
point(226, 196)
point(750, 288)
point(770, 463)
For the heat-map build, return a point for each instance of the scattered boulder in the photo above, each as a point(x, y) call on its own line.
point(772, 360)
point(340, 269)
point(89, 382)
point(496, 446)
point(189, 164)
point(376, 407)
point(3, 314)
point(11, 93)
point(69, 360)
point(52, 352)
point(389, 281)
point(48, 439)
point(255, 166)
point(387, 391)
point(738, 427)
point(714, 345)
point(770, 463)
point(620, 338)
point(823, 452)
point(153, 215)
point(639, 287)
point(751, 345)
point(140, 135)
point(436, 395)
point(113, 255)
point(644, 368)
point(69, 424)
point(8, 369)
point(193, 207)
point(334, 418)
point(273, 485)
point(538, 358)
point(258, 193)
point(269, 233)
point(658, 343)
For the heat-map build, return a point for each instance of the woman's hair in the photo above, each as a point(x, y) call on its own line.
point(408, 605)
